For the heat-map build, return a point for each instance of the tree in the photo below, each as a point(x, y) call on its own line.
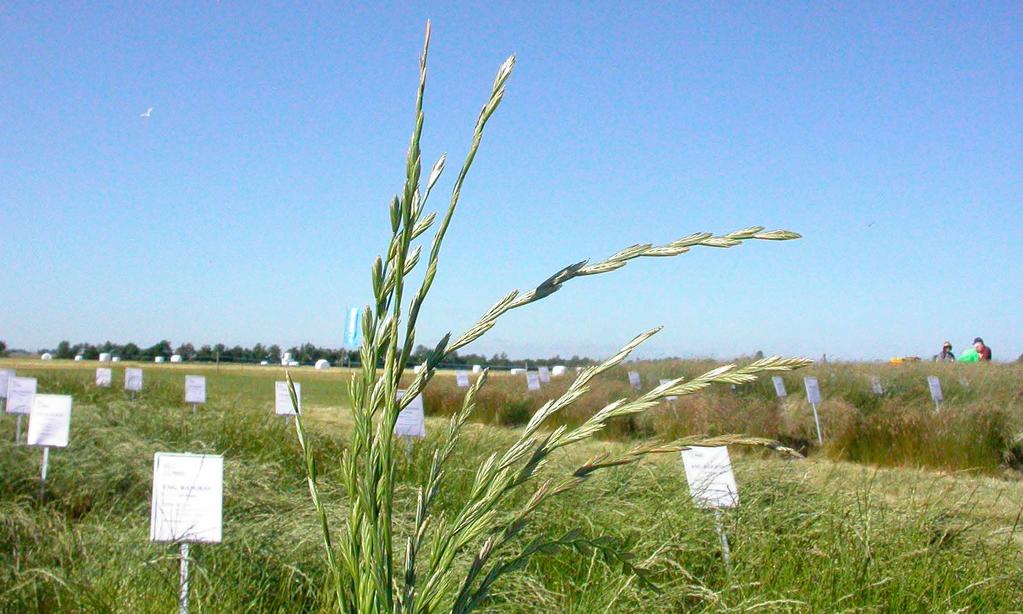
point(163, 348)
point(420, 353)
point(186, 351)
point(205, 354)
point(3, 348)
point(64, 350)
point(274, 353)
point(130, 351)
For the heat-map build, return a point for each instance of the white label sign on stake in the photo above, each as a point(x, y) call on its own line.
point(133, 379)
point(195, 389)
point(20, 393)
point(532, 380)
point(875, 385)
point(5, 376)
point(49, 424)
point(282, 399)
point(634, 379)
point(710, 477)
point(813, 390)
point(411, 420)
point(779, 387)
point(668, 398)
point(545, 374)
point(462, 379)
point(188, 498)
point(104, 377)
point(935, 385)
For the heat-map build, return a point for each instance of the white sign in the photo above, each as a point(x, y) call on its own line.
point(282, 399)
point(813, 390)
point(634, 380)
point(532, 380)
point(50, 421)
point(710, 477)
point(668, 398)
point(779, 387)
point(875, 384)
point(545, 374)
point(20, 393)
point(133, 379)
point(412, 420)
point(195, 389)
point(188, 498)
point(935, 385)
point(462, 379)
point(103, 377)
point(5, 374)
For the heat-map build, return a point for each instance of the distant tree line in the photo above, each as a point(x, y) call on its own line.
point(306, 353)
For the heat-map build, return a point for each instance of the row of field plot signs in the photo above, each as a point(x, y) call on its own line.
point(542, 375)
point(187, 489)
point(813, 393)
point(187, 495)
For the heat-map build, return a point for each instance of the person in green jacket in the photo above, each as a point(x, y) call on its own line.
point(969, 355)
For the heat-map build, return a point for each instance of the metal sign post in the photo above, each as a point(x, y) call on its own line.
point(183, 587)
point(813, 395)
point(46, 466)
point(726, 550)
point(936, 395)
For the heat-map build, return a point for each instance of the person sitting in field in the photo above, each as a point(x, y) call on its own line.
point(946, 353)
point(982, 350)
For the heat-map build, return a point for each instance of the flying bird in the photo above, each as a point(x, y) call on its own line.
point(148, 112)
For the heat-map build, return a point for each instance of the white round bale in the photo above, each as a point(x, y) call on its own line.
point(176, 358)
point(46, 356)
point(322, 363)
point(559, 370)
point(476, 368)
point(158, 359)
point(517, 371)
point(104, 357)
point(116, 359)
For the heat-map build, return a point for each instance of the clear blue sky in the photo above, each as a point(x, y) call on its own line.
point(248, 207)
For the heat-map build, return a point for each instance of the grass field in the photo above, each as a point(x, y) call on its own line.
point(812, 535)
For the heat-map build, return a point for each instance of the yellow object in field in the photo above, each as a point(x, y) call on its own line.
point(898, 360)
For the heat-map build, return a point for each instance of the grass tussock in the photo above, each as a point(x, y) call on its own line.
point(979, 425)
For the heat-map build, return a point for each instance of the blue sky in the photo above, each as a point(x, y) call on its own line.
point(249, 206)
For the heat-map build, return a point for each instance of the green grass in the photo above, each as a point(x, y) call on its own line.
point(810, 535)
point(980, 427)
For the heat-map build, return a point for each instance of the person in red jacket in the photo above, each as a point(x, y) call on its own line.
point(982, 350)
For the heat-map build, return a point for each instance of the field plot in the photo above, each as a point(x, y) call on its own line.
point(810, 535)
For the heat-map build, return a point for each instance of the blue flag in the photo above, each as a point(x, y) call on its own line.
point(353, 332)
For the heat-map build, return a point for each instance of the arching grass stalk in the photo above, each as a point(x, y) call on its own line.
point(431, 578)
